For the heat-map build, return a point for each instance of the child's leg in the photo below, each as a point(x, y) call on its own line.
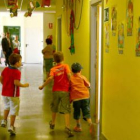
point(6, 113)
point(12, 120)
point(89, 121)
point(53, 118)
point(67, 120)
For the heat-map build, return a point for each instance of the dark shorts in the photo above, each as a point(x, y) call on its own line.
point(83, 105)
point(48, 64)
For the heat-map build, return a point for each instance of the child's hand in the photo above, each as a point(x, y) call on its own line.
point(41, 87)
point(26, 85)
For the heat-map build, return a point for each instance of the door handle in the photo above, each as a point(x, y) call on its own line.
point(27, 45)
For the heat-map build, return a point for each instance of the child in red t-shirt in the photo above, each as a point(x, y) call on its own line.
point(10, 79)
point(61, 75)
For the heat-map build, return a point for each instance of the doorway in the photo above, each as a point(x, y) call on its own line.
point(96, 60)
point(13, 30)
point(33, 45)
point(59, 47)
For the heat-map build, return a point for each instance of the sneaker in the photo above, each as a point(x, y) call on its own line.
point(12, 131)
point(92, 129)
point(68, 131)
point(3, 123)
point(77, 129)
point(51, 125)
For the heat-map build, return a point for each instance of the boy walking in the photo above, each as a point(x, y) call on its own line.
point(61, 75)
point(10, 79)
point(79, 95)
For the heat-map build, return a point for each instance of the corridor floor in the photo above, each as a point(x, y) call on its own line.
point(35, 114)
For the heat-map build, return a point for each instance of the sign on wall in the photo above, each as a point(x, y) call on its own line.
point(114, 20)
point(121, 38)
point(129, 17)
point(50, 25)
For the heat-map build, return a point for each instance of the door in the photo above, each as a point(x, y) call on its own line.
point(33, 45)
point(59, 35)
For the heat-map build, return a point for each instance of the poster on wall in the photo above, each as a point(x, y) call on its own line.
point(107, 37)
point(106, 14)
point(138, 40)
point(114, 20)
point(129, 17)
point(121, 38)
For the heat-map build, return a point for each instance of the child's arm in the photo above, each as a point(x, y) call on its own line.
point(17, 83)
point(46, 82)
point(86, 82)
point(1, 79)
point(69, 75)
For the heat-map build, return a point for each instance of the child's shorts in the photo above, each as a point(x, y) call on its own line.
point(12, 104)
point(60, 102)
point(83, 105)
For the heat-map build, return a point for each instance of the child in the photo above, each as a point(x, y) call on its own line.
point(79, 94)
point(10, 79)
point(61, 75)
point(48, 52)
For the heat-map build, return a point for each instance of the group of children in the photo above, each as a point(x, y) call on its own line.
point(67, 88)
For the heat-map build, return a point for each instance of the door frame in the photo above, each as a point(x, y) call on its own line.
point(59, 33)
point(97, 103)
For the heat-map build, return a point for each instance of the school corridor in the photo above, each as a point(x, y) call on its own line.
point(35, 114)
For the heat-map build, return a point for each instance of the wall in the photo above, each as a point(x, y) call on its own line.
point(81, 36)
point(49, 18)
point(121, 98)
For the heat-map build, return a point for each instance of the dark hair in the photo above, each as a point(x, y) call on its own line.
point(76, 67)
point(14, 58)
point(58, 57)
point(48, 41)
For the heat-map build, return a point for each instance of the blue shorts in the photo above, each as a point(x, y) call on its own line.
point(83, 105)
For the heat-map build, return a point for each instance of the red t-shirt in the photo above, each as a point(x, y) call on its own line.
point(9, 74)
point(61, 81)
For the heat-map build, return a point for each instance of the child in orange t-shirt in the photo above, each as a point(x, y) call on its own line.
point(79, 95)
point(61, 75)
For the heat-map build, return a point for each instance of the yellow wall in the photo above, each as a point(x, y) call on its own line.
point(81, 37)
point(121, 98)
point(121, 76)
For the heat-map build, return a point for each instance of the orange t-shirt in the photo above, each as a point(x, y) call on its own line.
point(79, 87)
point(61, 81)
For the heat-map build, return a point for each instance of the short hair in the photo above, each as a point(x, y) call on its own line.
point(58, 57)
point(14, 58)
point(76, 67)
point(48, 41)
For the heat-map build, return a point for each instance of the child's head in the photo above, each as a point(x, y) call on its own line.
point(15, 59)
point(58, 57)
point(48, 41)
point(76, 67)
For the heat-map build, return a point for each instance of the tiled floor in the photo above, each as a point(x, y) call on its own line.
point(35, 114)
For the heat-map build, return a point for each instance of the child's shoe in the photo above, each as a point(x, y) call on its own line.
point(3, 123)
point(92, 129)
point(51, 125)
point(68, 131)
point(12, 131)
point(77, 129)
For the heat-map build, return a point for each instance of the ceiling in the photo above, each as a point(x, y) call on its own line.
point(23, 6)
